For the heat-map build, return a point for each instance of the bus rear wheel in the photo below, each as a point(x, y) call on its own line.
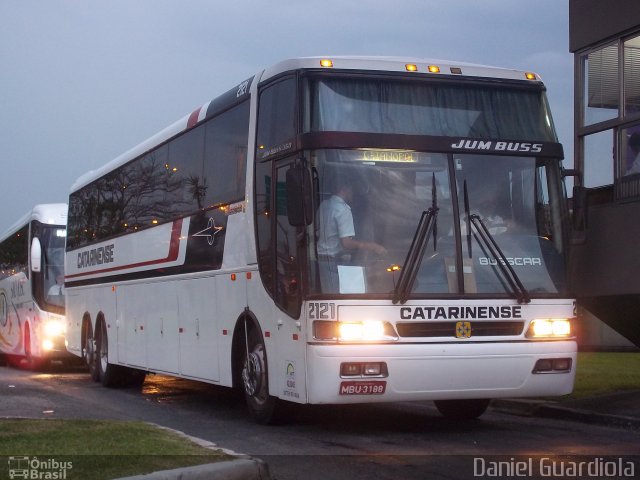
point(465, 409)
point(89, 353)
point(107, 372)
point(255, 380)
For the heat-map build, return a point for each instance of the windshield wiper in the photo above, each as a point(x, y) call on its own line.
point(485, 235)
point(427, 225)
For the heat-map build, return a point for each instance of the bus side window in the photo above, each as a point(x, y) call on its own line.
point(276, 118)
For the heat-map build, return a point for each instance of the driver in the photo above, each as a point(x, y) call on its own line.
point(336, 234)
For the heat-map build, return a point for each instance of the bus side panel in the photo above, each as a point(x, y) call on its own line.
point(13, 313)
point(133, 305)
point(198, 328)
point(95, 300)
point(285, 345)
point(75, 312)
point(148, 326)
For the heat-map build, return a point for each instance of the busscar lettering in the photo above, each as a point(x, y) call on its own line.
point(496, 312)
point(96, 256)
point(513, 261)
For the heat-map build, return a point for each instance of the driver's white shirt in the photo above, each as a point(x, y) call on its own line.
point(335, 221)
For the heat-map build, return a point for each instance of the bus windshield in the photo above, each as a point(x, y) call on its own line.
point(383, 193)
point(429, 108)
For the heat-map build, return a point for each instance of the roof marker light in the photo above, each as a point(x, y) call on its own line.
point(434, 69)
point(327, 63)
point(411, 67)
point(456, 70)
point(530, 76)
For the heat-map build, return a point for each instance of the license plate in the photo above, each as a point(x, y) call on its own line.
point(362, 388)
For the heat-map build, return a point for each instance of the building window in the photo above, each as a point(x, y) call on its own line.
point(601, 85)
point(630, 150)
point(632, 76)
point(609, 132)
point(598, 159)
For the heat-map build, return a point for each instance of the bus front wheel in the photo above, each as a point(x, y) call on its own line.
point(255, 380)
point(465, 409)
point(30, 362)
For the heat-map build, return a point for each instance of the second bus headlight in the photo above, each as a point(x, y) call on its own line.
point(53, 328)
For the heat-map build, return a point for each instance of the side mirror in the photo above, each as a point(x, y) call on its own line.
point(36, 255)
point(299, 211)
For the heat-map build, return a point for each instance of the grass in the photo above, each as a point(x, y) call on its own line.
point(101, 449)
point(601, 372)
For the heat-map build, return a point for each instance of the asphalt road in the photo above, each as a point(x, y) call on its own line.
point(391, 441)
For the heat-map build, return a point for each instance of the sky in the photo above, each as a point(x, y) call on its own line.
point(82, 81)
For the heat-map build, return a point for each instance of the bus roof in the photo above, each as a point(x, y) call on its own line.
point(396, 64)
point(357, 63)
point(47, 213)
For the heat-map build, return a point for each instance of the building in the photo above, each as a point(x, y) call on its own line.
point(605, 259)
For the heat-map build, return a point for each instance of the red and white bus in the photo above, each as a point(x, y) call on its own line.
point(200, 253)
point(32, 321)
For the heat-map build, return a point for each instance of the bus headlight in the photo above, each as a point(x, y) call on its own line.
point(549, 327)
point(54, 328)
point(366, 331)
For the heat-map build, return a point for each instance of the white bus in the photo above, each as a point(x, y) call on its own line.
point(32, 320)
point(201, 253)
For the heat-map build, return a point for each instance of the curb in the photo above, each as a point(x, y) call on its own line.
point(240, 469)
point(558, 412)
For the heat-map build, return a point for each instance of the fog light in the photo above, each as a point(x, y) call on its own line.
point(350, 369)
point(47, 345)
point(543, 365)
point(562, 364)
point(372, 369)
point(553, 365)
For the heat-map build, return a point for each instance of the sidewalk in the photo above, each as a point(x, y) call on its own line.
point(619, 409)
point(239, 469)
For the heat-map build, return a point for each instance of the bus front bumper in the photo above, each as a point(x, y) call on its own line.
point(439, 371)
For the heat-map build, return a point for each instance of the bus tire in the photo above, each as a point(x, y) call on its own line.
point(89, 352)
point(255, 380)
point(107, 372)
point(30, 362)
point(464, 409)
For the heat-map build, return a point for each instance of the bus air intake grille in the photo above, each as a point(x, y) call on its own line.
point(448, 329)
